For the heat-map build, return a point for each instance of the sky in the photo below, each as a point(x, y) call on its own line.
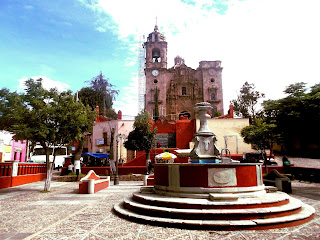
point(270, 43)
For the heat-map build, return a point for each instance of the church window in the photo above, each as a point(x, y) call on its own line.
point(213, 97)
point(155, 81)
point(105, 138)
point(212, 80)
point(184, 91)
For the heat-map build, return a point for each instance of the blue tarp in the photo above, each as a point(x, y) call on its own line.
point(97, 155)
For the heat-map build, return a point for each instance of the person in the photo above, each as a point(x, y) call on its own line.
point(77, 167)
point(285, 160)
point(70, 167)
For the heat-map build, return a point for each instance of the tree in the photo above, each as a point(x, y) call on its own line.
point(261, 135)
point(297, 117)
point(99, 93)
point(142, 137)
point(45, 116)
point(245, 105)
point(156, 107)
point(296, 89)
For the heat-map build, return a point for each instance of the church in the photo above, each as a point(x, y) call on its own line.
point(173, 92)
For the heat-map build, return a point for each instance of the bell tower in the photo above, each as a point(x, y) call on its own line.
point(156, 50)
point(156, 73)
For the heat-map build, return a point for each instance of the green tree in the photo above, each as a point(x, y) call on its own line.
point(296, 89)
point(297, 117)
point(246, 102)
point(100, 93)
point(45, 116)
point(261, 135)
point(142, 137)
point(156, 107)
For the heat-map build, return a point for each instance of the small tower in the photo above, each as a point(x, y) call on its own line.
point(155, 72)
point(156, 50)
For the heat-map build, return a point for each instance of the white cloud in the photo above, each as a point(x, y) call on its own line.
point(127, 102)
point(100, 29)
point(269, 43)
point(47, 83)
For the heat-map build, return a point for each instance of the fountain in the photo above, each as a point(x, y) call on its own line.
point(212, 192)
point(205, 149)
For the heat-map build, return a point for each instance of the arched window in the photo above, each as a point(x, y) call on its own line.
point(156, 55)
point(185, 115)
point(213, 97)
point(184, 91)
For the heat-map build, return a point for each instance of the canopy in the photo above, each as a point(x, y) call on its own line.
point(97, 155)
point(166, 156)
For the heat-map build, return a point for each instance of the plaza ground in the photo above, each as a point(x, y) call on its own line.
point(27, 213)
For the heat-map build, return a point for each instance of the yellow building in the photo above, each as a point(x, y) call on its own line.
point(228, 133)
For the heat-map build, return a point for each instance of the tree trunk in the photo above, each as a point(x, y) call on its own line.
point(77, 153)
point(47, 184)
point(147, 160)
point(265, 161)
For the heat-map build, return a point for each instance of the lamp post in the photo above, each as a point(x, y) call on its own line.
point(119, 138)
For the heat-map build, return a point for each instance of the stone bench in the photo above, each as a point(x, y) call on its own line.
point(148, 180)
point(282, 182)
point(93, 183)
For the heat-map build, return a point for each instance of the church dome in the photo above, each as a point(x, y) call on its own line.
point(156, 36)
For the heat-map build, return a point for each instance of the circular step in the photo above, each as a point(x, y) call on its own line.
point(305, 215)
point(294, 206)
point(267, 200)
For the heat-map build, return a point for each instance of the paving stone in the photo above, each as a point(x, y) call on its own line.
point(95, 219)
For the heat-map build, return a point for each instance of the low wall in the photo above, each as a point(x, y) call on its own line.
point(15, 173)
point(20, 180)
point(305, 174)
point(122, 170)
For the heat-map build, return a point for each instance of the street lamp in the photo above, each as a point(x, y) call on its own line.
point(119, 138)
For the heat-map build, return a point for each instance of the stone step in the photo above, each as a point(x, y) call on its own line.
point(222, 196)
point(270, 189)
point(294, 206)
point(305, 215)
point(267, 200)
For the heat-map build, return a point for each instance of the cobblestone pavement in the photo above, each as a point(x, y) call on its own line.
point(300, 162)
point(26, 213)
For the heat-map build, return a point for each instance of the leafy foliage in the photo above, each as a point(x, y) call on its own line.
point(142, 137)
point(261, 135)
point(297, 118)
point(156, 107)
point(99, 93)
point(44, 116)
point(245, 104)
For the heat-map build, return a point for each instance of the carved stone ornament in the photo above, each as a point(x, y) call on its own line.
point(222, 177)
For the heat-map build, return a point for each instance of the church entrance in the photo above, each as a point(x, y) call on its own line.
point(184, 115)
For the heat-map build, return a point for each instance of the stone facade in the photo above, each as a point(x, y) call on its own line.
point(177, 89)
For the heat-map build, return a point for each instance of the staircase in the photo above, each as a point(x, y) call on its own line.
point(221, 212)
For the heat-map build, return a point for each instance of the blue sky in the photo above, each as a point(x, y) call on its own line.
point(271, 43)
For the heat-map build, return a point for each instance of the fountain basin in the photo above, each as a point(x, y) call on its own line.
point(202, 180)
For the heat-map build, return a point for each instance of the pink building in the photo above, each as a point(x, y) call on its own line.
point(18, 150)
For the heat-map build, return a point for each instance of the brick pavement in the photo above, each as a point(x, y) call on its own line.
point(26, 213)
